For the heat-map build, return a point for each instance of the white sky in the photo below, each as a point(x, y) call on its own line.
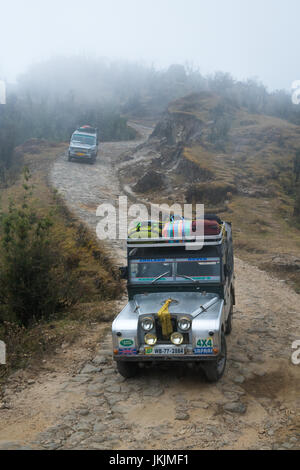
point(248, 38)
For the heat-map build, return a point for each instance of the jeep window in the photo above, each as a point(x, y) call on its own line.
point(149, 270)
point(84, 139)
point(198, 269)
point(175, 270)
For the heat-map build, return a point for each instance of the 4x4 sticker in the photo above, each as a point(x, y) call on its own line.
point(126, 342)
point(205, 343)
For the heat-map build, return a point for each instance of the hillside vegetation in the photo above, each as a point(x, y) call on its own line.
point(56, 279)
point(243, 166)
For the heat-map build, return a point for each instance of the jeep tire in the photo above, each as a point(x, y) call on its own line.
point(127, 369)
point(228, 328)
point(214, 370)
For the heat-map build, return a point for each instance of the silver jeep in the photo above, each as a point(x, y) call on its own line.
point(84, 145)
point(180, 304)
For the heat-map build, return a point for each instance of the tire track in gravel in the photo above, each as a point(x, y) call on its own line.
point(254, 406)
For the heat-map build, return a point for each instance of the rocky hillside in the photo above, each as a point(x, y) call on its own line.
point(242, 165)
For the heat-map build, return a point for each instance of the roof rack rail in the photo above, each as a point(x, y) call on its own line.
point(156, 242)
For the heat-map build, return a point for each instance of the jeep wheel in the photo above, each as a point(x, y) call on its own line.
point(127, 369)
point(69, 158)
point(215, 369)
point(228, 328)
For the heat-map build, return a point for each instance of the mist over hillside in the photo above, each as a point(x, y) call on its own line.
point(57, 95)
point(242, 165)
point(133, 87)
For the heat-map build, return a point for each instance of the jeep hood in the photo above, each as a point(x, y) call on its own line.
point(191, 303)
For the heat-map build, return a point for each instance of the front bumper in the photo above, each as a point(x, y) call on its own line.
point(87, 156)
point(164, 358)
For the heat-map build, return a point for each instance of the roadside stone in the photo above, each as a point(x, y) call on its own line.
point(182, 416)
point(99, 379)
point(105, 352)
point(101, 401)
point(11, 445)
point(112, 400)
point(113, 389)
point(287, 445)
point(260, 373)
point(117, 408)
point(99, 360)
point(116, 422)
point(4, 406)
point(199, 404)
point(89, 369)
point(83, 412)
point(235, 407)
point(155, 392)
point(108, 371)
point(52, 445)
point(76, 438)
point(99, 427)
point(82, 427)
point(99, 439)
point(81, 379)
point(239, 357)
point(239, 379)
point(231, 396)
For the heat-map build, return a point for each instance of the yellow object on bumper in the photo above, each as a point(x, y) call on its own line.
point(165, 319)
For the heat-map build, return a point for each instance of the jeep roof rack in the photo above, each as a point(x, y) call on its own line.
point(87, 129)
point(155, 242)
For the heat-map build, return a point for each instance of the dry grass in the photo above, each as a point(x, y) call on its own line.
point(258, 161)
point(99, 277)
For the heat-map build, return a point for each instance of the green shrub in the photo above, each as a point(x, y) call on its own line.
point(36, 276)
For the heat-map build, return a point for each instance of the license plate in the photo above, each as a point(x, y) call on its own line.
point(162, 350)
point(80, 154)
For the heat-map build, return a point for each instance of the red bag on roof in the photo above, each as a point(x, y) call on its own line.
point(211, 227)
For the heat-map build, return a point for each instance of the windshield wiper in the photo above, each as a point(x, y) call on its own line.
point(160, 276)
point(186, 277)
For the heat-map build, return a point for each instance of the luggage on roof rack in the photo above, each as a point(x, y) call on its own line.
point(87, 129)
point(213, 217)
point(147, 229)
point(179, 232)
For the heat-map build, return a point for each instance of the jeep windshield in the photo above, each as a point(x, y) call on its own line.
point(150, 270)
point(84, 139)
point(174, 270)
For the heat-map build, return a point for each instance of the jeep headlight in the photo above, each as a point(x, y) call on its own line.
point(150, 339)
point(184, 323)
point(176, 338)
point(147, 323)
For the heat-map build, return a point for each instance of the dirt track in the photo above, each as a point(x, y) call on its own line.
point(80, 401)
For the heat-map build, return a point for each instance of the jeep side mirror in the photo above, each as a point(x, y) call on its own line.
point(123, 270)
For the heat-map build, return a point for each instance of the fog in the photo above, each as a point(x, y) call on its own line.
point(247, 38)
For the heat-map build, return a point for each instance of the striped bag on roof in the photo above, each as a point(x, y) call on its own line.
point(177, 229)
point(148, 229)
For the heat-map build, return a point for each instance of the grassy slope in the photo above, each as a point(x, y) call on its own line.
point(100, 285)
point(257, 158)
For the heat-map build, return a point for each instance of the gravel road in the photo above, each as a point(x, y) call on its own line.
point(255, 405)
